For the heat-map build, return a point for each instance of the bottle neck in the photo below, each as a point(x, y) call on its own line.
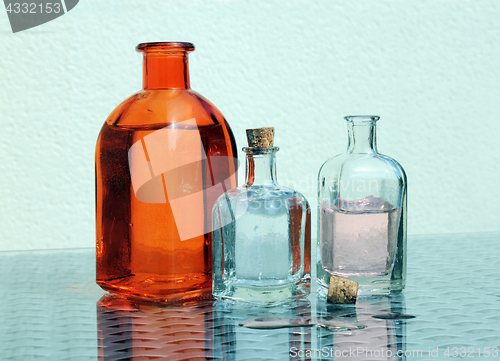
point(260, 166)
point(362, 137)
point(165, 70)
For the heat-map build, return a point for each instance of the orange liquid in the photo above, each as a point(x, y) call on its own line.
point(154, 241)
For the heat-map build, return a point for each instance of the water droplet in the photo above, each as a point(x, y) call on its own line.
point(394, 316)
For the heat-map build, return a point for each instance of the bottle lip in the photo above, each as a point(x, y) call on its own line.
point(363, 119)
point(260, 150)
point(171, 46)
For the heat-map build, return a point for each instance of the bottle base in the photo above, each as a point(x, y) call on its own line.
point(368, 286)
point(267, 296)
point(160, 288)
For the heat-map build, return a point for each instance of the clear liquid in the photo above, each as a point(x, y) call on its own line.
point(365, 245)
point(263, 233)
point(262, 250)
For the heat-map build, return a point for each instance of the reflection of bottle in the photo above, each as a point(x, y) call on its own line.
point(362, 214)
point(262, 242)
point(130, 329)
point(381, 334)
point(162, 159)
point(231, 341)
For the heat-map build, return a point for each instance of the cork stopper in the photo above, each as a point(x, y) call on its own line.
point(342, 291)
point(260, 137)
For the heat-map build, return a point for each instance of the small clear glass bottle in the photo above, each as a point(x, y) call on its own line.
point(362, 215)
point(261, 239)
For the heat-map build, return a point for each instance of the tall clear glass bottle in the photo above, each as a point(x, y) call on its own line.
point(262, 240)
point(163, 157)
point(362, 214)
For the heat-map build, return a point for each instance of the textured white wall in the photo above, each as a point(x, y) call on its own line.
point(430, 69)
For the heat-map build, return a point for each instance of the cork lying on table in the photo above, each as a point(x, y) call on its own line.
point(342, 290)
point(260, 137)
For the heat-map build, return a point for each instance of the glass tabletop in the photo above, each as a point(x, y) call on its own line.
point(51, 309)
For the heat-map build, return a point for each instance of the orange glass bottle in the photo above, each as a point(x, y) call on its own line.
point(163, 157)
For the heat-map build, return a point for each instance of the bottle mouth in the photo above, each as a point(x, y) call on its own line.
point(162, 47)
point(362, 119)
point(260, 150)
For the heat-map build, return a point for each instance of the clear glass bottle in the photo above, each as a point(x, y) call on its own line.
point(163, 157)
point(262, 240)
point(362, 214)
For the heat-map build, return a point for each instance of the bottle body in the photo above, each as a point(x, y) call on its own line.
point(261, 247)
point(362, 215)
point(162, 159)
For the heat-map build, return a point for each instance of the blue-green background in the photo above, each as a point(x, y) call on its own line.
point(429, 68)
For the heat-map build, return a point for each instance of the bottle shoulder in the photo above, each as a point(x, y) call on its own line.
point(333, 162)
point(368, 164)
point(396, 166)
point(155, 109)
point(261, 193)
